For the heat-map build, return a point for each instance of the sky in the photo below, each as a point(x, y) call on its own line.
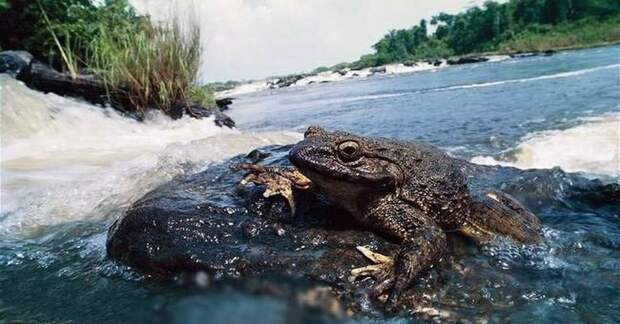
point(254, 39)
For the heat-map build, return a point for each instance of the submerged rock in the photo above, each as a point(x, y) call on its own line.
point(467, 59)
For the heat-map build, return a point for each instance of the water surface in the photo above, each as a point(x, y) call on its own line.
point(69, 169)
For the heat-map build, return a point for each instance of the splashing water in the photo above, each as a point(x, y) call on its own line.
point(64, 160)
point(69, 169)
point(571, 149)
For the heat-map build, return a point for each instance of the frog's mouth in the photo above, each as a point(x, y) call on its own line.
point(314, 160)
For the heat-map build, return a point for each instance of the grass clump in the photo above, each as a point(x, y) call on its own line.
point(203, 94)
point(141, 64)
point(154, 66)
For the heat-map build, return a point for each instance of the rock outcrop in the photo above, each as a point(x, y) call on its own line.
point(41, 77)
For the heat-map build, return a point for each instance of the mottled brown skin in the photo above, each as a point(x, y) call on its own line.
point(411, 192)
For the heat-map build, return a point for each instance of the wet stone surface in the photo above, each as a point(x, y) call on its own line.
point(208, 225)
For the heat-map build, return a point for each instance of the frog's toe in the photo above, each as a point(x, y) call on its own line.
point(382, 268)
point(276, 181)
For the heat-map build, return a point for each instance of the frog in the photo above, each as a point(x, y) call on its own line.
point(412, 193)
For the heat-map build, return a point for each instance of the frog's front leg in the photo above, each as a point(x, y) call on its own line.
point(277, 180)
point(422, 245)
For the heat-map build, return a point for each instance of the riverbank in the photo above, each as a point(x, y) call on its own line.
point(108, 54)
point(304, 79)
point(492, 32)
point(22, 66)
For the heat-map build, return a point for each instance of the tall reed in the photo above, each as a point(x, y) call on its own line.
point(66, 52)
point(154, 66)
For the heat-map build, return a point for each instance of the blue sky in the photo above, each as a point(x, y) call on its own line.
point(252, 39)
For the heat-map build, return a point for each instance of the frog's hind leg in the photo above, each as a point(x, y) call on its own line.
point(497, 213)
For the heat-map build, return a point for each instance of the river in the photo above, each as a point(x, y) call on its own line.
point(69, 169)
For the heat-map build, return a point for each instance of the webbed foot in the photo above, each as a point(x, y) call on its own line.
point(383, 266)
point(383, 271)
point(278, 181)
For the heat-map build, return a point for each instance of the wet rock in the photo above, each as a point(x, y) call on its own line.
point(540, 188)
point(524, 55)
point(289, 80)
point(256, 156)
point(224, 103)
point(532, 54)
point(435, 62)
point(43, 78)
point(467, 59)
point(13, 62)
point(379, 69)
point(204, 223)
point(597, 194)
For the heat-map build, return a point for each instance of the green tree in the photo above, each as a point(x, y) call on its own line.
point(485, 28)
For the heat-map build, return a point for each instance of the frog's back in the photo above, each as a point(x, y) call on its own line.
point(436, 185)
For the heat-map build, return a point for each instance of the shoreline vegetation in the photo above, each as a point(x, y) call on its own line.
point(109, 54)
point(514, 28)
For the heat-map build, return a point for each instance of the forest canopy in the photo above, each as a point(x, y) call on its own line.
point(516, 25)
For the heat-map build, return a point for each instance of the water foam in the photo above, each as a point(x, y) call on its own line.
point(592, 147)
point(64, 160)
point(538, 78)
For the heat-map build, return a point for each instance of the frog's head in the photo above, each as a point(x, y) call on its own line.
point(344, 165)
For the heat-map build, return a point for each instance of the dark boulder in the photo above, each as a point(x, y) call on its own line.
point(467, 59)
point(435, 62)
point(13, 62)
point(198, 111)
point(378, 70)
point(221, 119)
point(532, 54)
point(224, 103)
point(41, 77)
point(289, 80)
point(205, 223)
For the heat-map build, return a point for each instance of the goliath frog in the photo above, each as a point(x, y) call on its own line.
point(411, 192)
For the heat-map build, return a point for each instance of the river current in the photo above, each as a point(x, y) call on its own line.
point(69, 169)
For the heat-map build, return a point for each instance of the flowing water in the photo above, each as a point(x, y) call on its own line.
point(69, 169)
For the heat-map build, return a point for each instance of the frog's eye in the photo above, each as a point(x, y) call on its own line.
point(349, 151)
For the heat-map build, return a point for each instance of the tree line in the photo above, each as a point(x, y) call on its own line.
point(494, 26)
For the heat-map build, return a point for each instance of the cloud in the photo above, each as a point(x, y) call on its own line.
point(249, 39)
